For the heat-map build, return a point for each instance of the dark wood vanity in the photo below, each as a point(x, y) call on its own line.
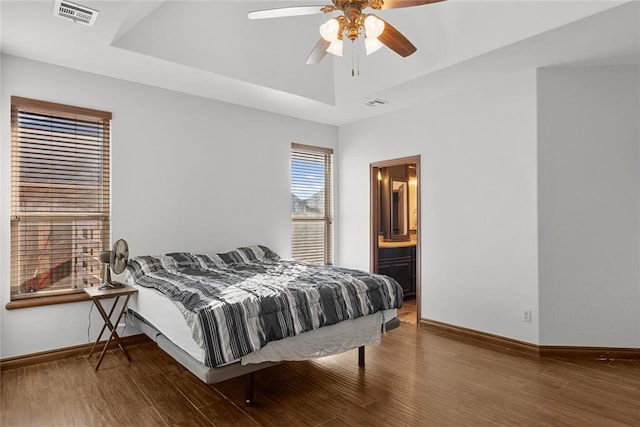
point(399, 262)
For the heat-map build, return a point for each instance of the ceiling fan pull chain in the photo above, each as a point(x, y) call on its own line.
point(355, 61)
point(353, 66)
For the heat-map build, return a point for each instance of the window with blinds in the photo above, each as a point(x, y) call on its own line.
point(59, 197)
point(311, 204)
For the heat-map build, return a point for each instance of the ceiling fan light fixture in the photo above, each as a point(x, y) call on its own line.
point(353, 24)
point(329, 30)
point(372, 45)
point(373, 26)
point(335, 48)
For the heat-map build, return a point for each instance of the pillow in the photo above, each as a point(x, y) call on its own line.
point(185, 259)
point(141, 265)
point(248, 254)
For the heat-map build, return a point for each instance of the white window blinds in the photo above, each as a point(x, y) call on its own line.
point(311, 204)
point(59, 196)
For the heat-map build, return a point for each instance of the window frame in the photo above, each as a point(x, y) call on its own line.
point(327, 217)
point(102, 216)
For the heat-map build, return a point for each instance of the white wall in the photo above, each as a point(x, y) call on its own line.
point(530, 197)
point(589, 206)
point(188, 174)
point(478, 202)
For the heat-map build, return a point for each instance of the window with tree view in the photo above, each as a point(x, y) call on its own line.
point(59, 197)
point(311, 204)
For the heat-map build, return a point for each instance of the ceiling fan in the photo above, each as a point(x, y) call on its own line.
point(352, 23)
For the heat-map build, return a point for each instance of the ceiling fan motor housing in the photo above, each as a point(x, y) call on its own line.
point(361, 4)
point(352, 20)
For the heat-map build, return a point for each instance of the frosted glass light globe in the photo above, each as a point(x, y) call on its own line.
point(329, 30)
point(372, 45)
point(374, 26)
point(335, 48)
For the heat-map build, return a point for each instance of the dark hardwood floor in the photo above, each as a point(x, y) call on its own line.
point(408, 311)
point(415, 377)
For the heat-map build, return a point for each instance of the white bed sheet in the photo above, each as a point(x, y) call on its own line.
point(167, 318)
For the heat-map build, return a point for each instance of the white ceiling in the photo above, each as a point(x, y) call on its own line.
point(210, 49)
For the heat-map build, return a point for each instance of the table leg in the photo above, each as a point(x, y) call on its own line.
point(112, 328)
point(114, 332)
point(97, 302)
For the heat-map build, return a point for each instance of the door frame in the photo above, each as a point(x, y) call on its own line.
point(374, 209)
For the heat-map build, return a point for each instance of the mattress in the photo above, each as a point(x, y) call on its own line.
point(167, 319)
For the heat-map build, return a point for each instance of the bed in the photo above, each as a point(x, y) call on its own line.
point(231, 314)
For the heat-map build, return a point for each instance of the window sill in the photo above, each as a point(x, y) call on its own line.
point(42, 301)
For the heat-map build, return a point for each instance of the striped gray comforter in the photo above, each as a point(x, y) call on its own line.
point(248, 297)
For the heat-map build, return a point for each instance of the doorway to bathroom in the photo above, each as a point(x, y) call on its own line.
point(395, 227)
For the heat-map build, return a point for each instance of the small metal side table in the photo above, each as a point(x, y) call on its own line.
point(97, 296)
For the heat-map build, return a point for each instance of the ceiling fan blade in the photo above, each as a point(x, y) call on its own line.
point(318, 52)
point(395, 41)
point(394, 4)
point(289, 11)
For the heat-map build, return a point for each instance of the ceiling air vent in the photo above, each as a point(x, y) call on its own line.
point(75, 12)
point(375, 102)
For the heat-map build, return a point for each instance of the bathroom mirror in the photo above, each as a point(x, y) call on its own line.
point(399, 210)
point(393, 196)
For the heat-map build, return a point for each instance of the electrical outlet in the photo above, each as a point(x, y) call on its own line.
point(526, 316)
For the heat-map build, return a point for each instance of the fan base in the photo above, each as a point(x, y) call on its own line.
point(111, 285)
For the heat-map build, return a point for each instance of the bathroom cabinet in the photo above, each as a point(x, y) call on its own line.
point(399, 262)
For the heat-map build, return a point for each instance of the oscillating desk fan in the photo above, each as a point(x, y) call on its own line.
point(116, 260)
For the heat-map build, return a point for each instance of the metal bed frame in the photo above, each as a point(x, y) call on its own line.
point(221, 373)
